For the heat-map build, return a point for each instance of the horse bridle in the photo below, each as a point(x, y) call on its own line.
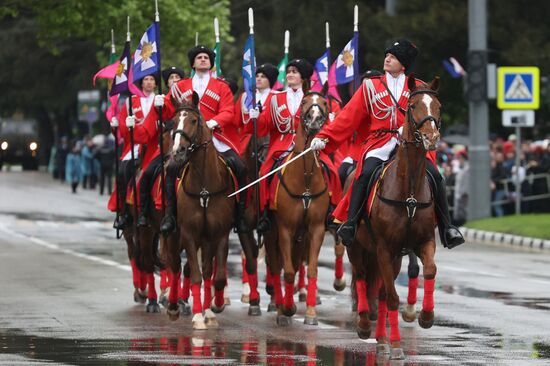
point(193, 145)
point(303, 114)
point(418, 125)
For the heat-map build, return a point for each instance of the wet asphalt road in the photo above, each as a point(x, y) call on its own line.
point(67, 300)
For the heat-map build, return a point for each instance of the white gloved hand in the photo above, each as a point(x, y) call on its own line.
point(331, 116)
point(114, 122)
point(130, 121)
point(318, 144)
point(159, 100)
point(254, 113)
point(400, 131)
point(211, 124)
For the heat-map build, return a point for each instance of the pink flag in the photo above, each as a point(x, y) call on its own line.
point(132, 87)
point(332, 85)
point(112, 111)
point(108, 72)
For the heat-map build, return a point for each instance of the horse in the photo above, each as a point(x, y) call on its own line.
point(302, 205)
point(205, 215)
point(402, 220)
point(143, 245)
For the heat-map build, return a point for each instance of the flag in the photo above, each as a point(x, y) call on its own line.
point(454, 68)
point(146, 58)
point(108, 72)
point(347, 63)
point(120, 80)
point(249, 71)
point(281, 80)
point(217, 69)
point(323, 74)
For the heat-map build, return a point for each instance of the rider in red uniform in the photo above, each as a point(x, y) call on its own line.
point(376, 109)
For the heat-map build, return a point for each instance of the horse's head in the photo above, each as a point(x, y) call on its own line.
point(189, 130)
point(423, 114)
point(313, 112)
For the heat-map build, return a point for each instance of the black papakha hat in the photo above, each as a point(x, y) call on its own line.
point(304, 67)
point(171, 70)
point(270, 71)
point(405, 51)
point(193, 52)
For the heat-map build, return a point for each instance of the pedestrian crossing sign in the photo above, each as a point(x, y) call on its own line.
point(518, 87)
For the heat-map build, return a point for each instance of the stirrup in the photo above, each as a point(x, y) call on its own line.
point(142, 221)
point(347, 232)
point(453, 237)
point(168, 224)
point(119, 223)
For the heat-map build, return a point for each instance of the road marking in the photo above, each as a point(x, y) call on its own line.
point(52, 246)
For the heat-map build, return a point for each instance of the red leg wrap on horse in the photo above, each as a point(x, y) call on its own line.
point(196, 291)
point(428, 302)
point(268, 276)
point(278, 290)
point(142, 280)
point(207, 294)
point(135, 274)
point(362, 303)
point(311, 299)
point(339, 267)
point(413, 285)
point(253, 283)
point(164, 279)
point(289, 294)
point(302, 277)
point(152, 292)
point(245, 274)
point(381, 322)
point(393, 319)
point(174, 286)
point(185, 288)
point(218, 298)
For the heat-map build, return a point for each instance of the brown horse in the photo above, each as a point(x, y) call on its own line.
point(143, 251)
point(402, 221)
point(205, 215)
point(299, 221)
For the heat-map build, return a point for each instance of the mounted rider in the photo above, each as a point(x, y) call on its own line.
point(172, 75)
point(376, 112)
point(143, 119)
point(280, 119)
point(216, 106)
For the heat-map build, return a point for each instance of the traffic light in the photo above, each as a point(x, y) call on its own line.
point(477, 76)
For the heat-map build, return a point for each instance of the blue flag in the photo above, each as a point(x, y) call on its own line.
point(147, 55)
point(120, 81)
point(454, 68)
point(347, 62)
point(249, 71)
point(321, 68)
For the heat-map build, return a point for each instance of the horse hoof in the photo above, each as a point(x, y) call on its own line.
point(426, 319)
point(271, 307)
point(397, 354)
point(302, 297)
point(284, 321)
point(140, 296)
point(210, 319)
point(173, 312)
point(245, 299)
point(185, 309)
point(409, 313)
point(216, 309)
point(163, 298)
point(383, 349)
point(289, 311)
point(198, 322)
point(339, 284)
point(254, 310)
point(311, 320)
point(226, 301)
point(153, 307)
point(318, 300)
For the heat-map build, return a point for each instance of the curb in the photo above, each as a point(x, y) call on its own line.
point(497, 238)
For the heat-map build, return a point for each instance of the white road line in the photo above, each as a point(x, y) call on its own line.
point(52, 246)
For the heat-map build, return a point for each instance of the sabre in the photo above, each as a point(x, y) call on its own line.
point(271, 172)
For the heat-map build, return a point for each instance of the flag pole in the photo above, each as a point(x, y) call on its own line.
point(327, 45)
point(287, 44)
point(160, 123)
point(254, 121)
point(356, 58)
point(217, 47)
point(196, 38)
point(132, 153)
